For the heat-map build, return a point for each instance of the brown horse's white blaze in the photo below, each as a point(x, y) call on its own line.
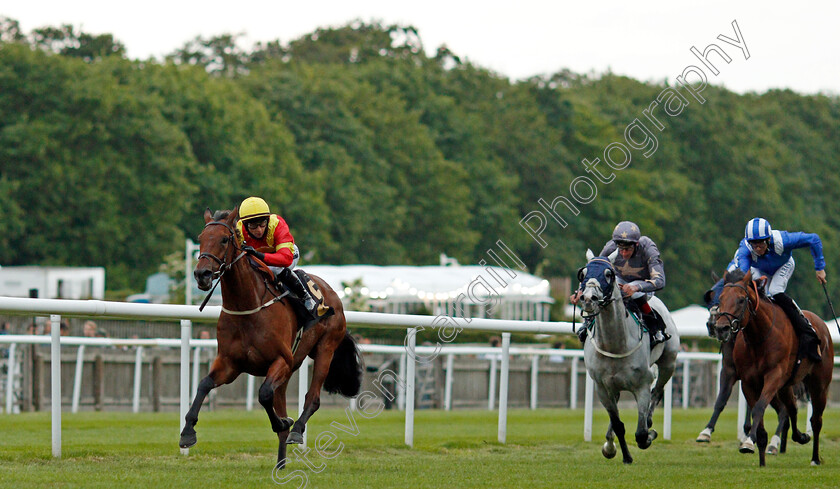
point(259, 343)
point(765, 356)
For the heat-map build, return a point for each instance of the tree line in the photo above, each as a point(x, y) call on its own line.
point(376, 152)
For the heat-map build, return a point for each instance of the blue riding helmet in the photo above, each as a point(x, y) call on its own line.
point(626, 231)
point(757, 229)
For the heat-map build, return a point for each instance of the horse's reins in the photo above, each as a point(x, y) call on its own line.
point(224, 267)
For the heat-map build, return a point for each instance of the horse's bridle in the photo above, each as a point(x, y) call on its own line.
point(607, 298)
point(223, 267)
point(736, 321)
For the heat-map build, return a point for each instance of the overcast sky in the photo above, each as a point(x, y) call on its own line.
point(792, 45)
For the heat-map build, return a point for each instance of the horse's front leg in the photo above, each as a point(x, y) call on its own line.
point(221, 372)
point(278, 374)
point(280, 410)
point(610, 403)
point(772, 382)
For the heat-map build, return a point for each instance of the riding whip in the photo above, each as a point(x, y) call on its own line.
point(831, 307)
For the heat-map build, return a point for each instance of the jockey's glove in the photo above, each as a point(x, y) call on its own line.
point(251, 251)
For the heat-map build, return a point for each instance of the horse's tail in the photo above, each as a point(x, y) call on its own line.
point(345, 375)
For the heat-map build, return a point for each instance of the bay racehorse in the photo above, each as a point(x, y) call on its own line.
point(618, 356)
point(728, 377)
point(766, 359)
point(258, 333)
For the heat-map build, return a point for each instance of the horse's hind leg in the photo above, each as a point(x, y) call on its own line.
point(221, 372)
point(666, 365)
point(280, 410)
point(278, 375)
point(819, 397)
point(320, 369)
point(727, 381)
point(644, 403)
point(788, 400)
point(776, 443)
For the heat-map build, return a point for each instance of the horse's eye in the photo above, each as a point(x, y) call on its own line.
point(225, 240)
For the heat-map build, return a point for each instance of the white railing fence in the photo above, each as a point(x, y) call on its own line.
point(410, 352)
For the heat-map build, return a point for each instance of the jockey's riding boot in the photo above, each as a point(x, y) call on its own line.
point(657, 327)
point(583, 331)
point(293, 282)
point(809, 343)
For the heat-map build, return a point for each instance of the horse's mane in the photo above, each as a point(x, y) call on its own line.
point(737, 275)
point(734, 276)
point(219, 215)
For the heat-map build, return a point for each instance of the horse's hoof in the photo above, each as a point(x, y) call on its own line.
point(805, 439)
point(773, 447)
point(628, 460)
point(815, 462)
point(652, 434)
point(705, 436)
point(188, 440)
point(748, 446)
point(608, 450)
point(294, 438)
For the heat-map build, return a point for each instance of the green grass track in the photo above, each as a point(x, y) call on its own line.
point(458, 449)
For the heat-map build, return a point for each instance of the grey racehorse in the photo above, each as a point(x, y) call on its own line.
point(618, 356)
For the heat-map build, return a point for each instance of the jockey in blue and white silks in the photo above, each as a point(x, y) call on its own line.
point(765, 251)
point(777, 261)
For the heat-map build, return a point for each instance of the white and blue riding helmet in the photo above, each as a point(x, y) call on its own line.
point(757, 229)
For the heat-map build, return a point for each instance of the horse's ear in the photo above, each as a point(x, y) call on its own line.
point(234, 214)
point(208, 216)
point(613, 256)
point(715, 277)
point(748, 277)
point(707, 297)
point(589, 254)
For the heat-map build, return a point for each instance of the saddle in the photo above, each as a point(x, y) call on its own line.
point(650, 323)
point(305, 317)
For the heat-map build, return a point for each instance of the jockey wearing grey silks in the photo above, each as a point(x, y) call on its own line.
point(639, 272)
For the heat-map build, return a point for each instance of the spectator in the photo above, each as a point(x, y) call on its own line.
point(495, 342)
point(5, 327)
point(90, 329)
point(64, 329)
point(204, 335)
point(559, 345)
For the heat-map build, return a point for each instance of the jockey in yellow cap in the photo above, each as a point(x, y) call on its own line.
point(267, 237)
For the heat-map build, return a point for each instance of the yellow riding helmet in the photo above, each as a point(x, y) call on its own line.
point(252, 208)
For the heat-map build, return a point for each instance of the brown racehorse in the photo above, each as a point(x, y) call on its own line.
point(256, 333)
point(766, 358)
